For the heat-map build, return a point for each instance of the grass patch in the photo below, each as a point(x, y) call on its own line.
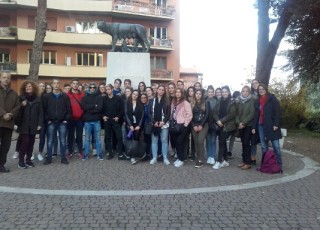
point(303, 133)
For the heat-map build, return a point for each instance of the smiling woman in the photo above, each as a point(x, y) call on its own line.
point(226, 47)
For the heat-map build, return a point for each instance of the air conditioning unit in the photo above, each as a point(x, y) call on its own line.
point(70, 29)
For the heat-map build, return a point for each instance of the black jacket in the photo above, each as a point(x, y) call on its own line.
point(129, 113)
point(30, 116)
point(56, 109)
point(200, 117)
point(92, 107)
point(165, 109)
point(113, 107)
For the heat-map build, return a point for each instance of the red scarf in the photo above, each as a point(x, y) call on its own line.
point(262, 101)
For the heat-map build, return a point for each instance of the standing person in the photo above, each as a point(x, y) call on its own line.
point(211, 138)
point(245, 116)
point(159, 113)
point(142, 87)
point(232, 138)
point(181, 114)
point(267, 121)
point(190, 142)
point(9, 108)
point(30, 121)
point(112, 115)
point(92, 104)
point(224, 116)
point(218, 93)
point(199, 124)
point(146, 119)
point(75, 125)
point(171, 95)
point(44, 130)
point(133, 111)
point(42, 91)
point(57, 113)
point(255, 137)
point(117, 87)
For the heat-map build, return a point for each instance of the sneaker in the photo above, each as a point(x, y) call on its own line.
point(54, 155)
point(153, 161)
point(166, 161)
point(100, 158)
point(32, 157)
point(64, 161)
point(179, 164)
point(22, 166)
point(217, 165)
point(209, 160)
point(84, 158)
point(174, 163)
point(81, 155)
point(30, 164)
point(213, 161)
point(47, 161)
point(199, 164)
point(15, 155)
point(224, 164)
point(40, 157)
point(133, 161)
point(94, 152)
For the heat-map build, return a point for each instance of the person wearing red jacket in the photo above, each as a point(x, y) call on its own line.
point(75, 125)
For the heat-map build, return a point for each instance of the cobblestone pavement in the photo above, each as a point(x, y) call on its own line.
point(116, 195)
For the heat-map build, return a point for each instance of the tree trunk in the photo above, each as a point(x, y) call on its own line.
point(41, 28)
point(266, 56)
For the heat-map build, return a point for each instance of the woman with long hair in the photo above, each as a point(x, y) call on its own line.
point(159, 113)
point(267, 121)
point(190, 142)
point(211, 145)
point(142, 87)
point(245, 116)
point(199, 124)
point(224, 116)
point(146, 121)
point(134, 111)
point(255, 137)
point(31, 121)
point(149, 93)
point(181, 114)
point(218, 93)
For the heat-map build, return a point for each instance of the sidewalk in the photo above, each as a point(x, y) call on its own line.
point(116, 195)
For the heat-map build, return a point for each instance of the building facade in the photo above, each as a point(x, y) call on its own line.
point(74, 47)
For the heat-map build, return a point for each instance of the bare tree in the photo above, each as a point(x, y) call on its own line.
point(267, 50)
point(41, 28)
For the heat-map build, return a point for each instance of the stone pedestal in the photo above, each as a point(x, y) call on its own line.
point(133, 66)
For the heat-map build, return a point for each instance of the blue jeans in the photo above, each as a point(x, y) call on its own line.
point(264, 144)
point(211, 145)
point(164, 134)
point(53, 128)
point(75, 126)
point(90, 126)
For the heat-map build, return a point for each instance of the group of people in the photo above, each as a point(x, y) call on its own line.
point(189, 119)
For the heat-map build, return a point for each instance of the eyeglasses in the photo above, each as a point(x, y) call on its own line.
point(92, 87)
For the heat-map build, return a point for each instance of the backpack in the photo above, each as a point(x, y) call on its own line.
point(269, 163)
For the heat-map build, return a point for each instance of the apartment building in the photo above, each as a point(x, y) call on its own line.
point(74, 47)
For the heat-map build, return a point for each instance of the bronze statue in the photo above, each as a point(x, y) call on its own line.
point(125, 31)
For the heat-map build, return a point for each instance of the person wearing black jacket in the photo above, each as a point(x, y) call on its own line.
point(57, 113)
point(112, 115)
point(199, 124)
point(92, 104)
point(30, 121)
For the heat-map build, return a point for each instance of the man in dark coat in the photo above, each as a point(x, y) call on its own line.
point(9, 108)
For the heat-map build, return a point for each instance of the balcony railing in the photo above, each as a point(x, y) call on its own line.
point(8, 31)
point(8, 66)
point(143, 8)
point(161, 74)
point(162, 42)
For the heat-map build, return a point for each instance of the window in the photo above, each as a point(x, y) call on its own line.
point(87, 28)
point(4, 57)
point(48, 57)
point(161, 2)
point(90, 59)
point(158, 63)
point(52, 24)
point(159, 32)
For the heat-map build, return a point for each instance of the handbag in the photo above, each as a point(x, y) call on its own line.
point(174, 127)
point(148, 128)
point(136, 148)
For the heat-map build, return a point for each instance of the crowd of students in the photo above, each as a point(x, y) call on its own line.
point(197, 123)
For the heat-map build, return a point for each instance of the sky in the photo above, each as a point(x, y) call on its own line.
point(220, 38)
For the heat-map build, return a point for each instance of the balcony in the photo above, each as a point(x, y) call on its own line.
point(161, 74)
point(8, 66)
point(162, 43)
point(8, 33)
point(142, 8)
point(65, 71)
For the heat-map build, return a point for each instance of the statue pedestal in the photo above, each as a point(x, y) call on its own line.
point(133, 66)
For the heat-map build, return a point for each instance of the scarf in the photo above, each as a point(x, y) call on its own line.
point(262, 102)
point(244, 99)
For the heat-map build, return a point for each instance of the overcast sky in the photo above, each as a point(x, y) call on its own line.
point(220, 38)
